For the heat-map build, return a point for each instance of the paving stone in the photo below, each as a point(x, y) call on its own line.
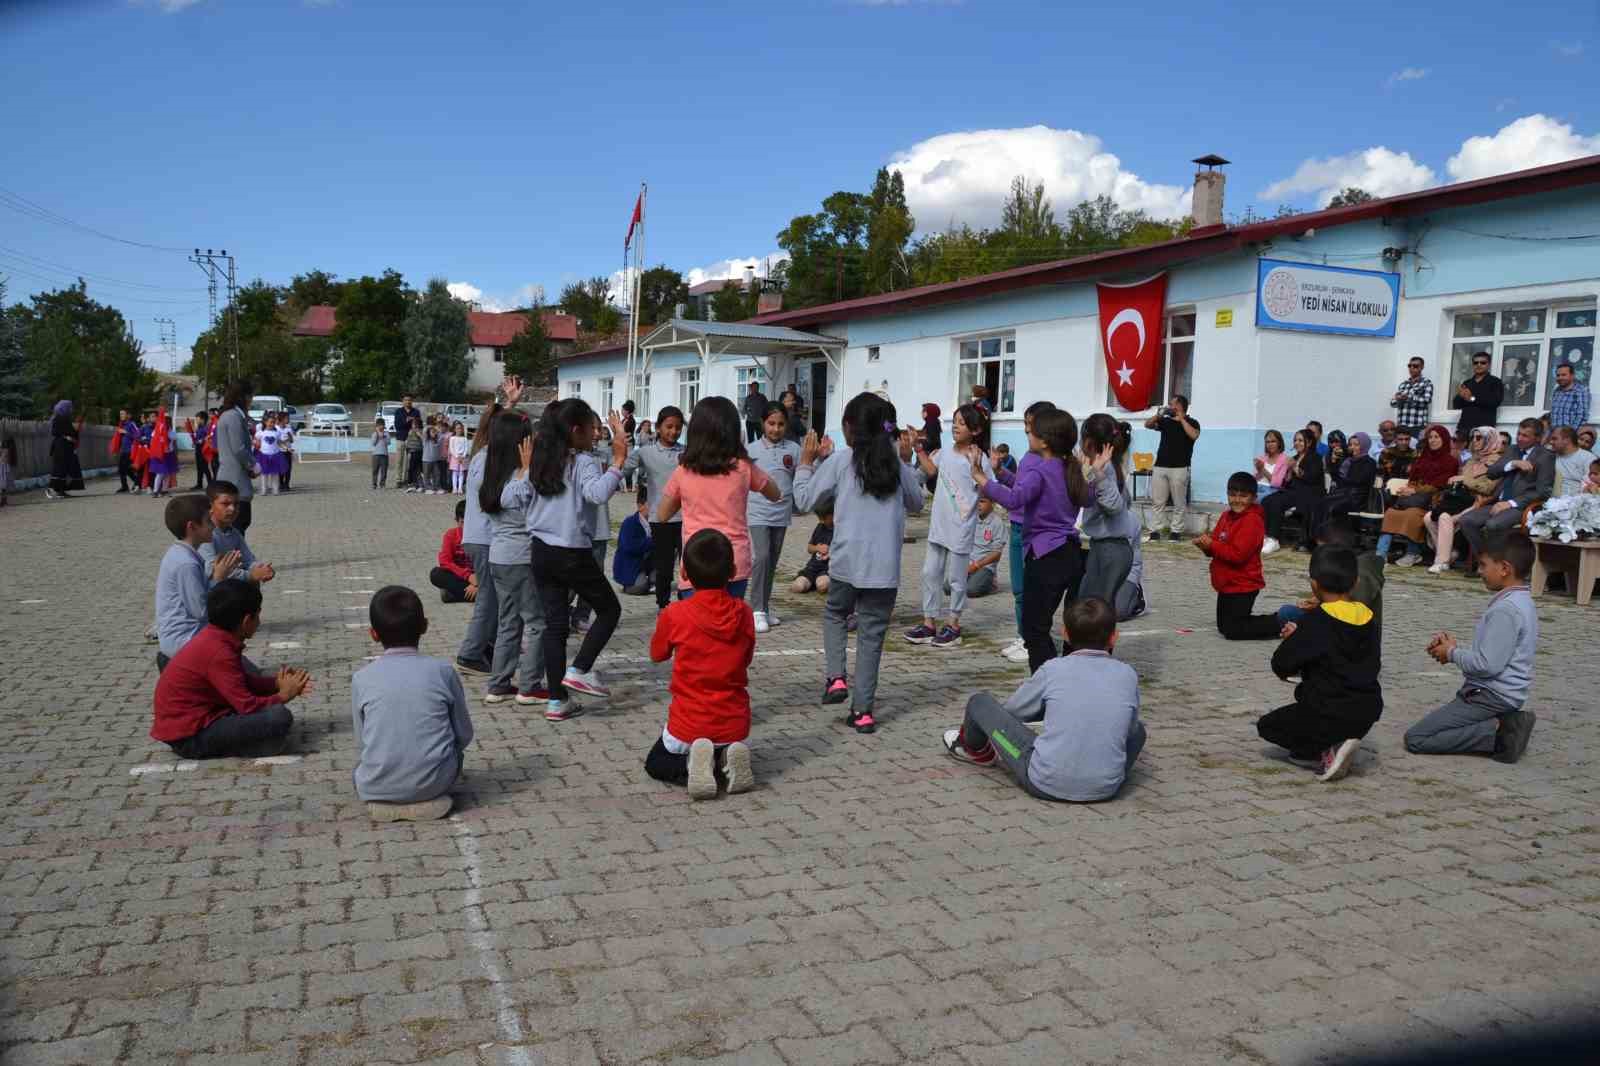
point(870, 901)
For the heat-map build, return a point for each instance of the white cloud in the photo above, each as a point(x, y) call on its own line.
point(1530, 141)
point(1380, 171)
point(1407, 74)
point(965, 176)
point(722, 268)
point(525, 296)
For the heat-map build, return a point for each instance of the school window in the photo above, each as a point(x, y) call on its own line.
point(990, 362)
point(1525, 345)
point(641, 395)
point(873, 354)
point(747, 374)
point(574, 388)
point(688, 388)
point(607, 395)
point(1177, 363)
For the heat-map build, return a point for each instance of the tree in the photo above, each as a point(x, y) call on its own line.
point(590, 303)
point(79, 349)
point(728, 303)
point(530, 353)
point(661, 290)
point(370, 338)
point(889, 227)
point(1027, 214)
point(313, 288)
point(17, 385)
point(438, 338)
point(276, 362)
point(1349, 196)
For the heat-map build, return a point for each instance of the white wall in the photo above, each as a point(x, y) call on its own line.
point(486, 374)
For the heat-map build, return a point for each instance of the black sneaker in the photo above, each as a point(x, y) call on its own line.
point(1175, 535)
point(473, 666)
point(837, 690)
point(1516, 729)
point(861, 721)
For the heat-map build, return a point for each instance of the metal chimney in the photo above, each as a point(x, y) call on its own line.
point(1206, 208)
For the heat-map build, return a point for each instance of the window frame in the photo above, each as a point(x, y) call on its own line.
point(689, 384)
point(1499, 343)
point(742, 377)
point(1004, 359)
point(608, 395)
point(1167, 385)
point(641, 395)
point(575, 388)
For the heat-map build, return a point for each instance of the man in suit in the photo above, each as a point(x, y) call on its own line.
point(1479, 397)
point(236, 461)
point(1529, 473)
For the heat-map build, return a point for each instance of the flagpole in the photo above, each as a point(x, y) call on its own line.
point(633, 299)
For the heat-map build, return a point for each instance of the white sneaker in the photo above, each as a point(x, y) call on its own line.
point(1408, 559)
point(1269, 546)
point(1013, 646)
point(1018, 654)
point(587, 683)
point(1439, 568)
point(702, 770)
point(736, 764)
point(1338, 760)
point(773, 620)
point(761, 622)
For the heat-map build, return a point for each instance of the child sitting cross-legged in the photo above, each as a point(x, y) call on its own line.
point(410, 716)
point(208, 705)
point(711, 638)
point(454, 575)
point(814, 574)
point(1487, 716)
point(227, 537)
point(632, 567)
point(1090, 704)
point(1335, 651)
point(183, 580)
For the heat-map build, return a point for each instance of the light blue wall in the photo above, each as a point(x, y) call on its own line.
point(1452, 260)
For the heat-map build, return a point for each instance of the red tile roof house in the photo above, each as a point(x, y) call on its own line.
point(491, 332)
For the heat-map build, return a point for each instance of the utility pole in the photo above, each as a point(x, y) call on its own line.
point(219, 265)
point(169, 342)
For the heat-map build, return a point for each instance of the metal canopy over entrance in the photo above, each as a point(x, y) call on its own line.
point(778, 347)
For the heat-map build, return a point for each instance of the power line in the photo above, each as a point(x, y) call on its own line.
point(1521, 237)
point(105, 279)
point(22, 205)
point(115, 297)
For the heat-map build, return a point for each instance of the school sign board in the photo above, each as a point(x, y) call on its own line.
point(1324, 299)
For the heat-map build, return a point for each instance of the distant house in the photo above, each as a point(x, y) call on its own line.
point(491, 332)
point(701, 295)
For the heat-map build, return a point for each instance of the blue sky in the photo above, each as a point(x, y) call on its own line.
point(500, 145)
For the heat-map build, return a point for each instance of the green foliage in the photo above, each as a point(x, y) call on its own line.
point(81, 350)
point(889, 228)
point(276, 362)
point(729, 304)
point(312, 288)
point(17, 384)
point(590, 303)
point(370, 339)
point(438, 343)
point(661, 289)
point(530, 353)
point(1349, 196)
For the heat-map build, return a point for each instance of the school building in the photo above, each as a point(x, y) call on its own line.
point(1263, 326)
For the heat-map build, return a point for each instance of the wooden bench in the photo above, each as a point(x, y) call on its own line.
point(1579, 561)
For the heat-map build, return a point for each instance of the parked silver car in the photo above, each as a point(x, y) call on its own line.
point(465, 413)
point(331, 416)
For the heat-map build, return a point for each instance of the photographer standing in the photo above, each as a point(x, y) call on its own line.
point(1169, 487)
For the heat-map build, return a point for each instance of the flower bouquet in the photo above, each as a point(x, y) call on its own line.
point(1567, 518)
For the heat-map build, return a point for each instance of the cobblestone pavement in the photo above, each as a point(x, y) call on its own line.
point(871, 901)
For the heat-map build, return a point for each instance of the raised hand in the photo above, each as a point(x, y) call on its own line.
point(908, 445)
point(809, 448)
point(511, 388)
point(226, 564)
point(825, 448)
point(525, 454)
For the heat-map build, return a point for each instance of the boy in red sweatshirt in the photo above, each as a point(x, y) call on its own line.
point(454, 576)
point(1234, 546)
point(714, 638)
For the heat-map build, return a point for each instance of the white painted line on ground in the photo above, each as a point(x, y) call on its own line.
point(481, 938)
point(613, 659)
point(30, 603)
point(162, 767)
point(277, 760)
point(284, 645)
point(357, 607)
point(357, 577)
point(355, 625)
point(290, 592)
point(359, 592)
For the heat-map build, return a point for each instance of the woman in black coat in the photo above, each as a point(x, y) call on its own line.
point(65, 470)
point(1350, 482)
point(1302, 491)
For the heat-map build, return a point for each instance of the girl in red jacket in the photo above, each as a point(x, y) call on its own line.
point(1235, 550)
point(713, 636)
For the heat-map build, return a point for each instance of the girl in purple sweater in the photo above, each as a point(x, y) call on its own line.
point(1048, 493)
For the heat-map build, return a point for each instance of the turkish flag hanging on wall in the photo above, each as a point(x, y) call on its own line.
point(1131, 320)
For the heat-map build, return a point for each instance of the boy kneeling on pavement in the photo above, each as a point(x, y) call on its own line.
point(1090, 705)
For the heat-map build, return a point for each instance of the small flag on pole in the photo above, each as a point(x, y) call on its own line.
point(638, 217)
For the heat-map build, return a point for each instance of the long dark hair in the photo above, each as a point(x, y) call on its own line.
point(1059, 431)
point(505, 434)
point(869, 429)
point(480, 436)
point(1100, 430)
point(716, 437)
point(552, 444)
point(977, 420)
point(238, 393)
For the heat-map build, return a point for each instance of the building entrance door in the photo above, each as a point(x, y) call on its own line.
point(811, 382)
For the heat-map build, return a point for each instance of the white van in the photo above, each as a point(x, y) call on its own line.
point(263, 404)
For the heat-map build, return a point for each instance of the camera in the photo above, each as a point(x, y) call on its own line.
point(1168, 412)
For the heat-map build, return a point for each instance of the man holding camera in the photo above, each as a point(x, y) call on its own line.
point(1169, 485)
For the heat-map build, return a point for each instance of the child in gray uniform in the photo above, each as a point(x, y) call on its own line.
point(1090, 703)
point(658, 458)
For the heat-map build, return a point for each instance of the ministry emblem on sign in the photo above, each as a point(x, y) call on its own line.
point(1280, 294)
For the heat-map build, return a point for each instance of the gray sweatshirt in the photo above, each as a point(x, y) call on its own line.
point(411, 727)
point(658, 462)
point(955, 501)
point(181, 587)
point(1500, 659)
point(1091, 706)
point(509, 543)
point(224, 541)
point(867, 532)
point(1109, 517)
point(477, 528)
point(563, 520)
point(778, 461)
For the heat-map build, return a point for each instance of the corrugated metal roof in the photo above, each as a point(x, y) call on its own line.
point(744, 331)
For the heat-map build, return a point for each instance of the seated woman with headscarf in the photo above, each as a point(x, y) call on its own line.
point(1425, 479)
point(1350, 480)
point(1470, 488)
